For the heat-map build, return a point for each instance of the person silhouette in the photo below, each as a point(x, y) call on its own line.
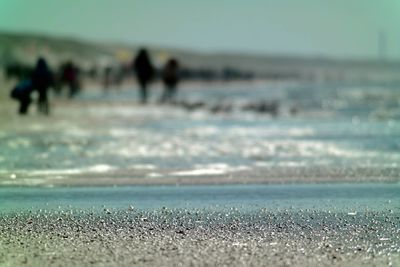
point(170, 78)
point(70, 77)
point(42, 79)
point(22, 93)
point(144, 71)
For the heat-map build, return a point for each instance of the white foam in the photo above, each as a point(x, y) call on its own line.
point(99, 168)
point(154, 175)
point(143, 167)
point(200, 172)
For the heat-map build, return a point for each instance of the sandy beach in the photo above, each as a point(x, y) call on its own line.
point(199, 238)
point(237, 225)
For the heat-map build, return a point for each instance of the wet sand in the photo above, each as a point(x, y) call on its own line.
point(108, 139)
point(256, 175)
point(199, 238)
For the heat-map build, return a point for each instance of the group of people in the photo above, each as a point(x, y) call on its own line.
point(145, 73)
point(42, 79)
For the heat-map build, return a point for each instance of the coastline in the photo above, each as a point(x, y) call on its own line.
point(121, 177)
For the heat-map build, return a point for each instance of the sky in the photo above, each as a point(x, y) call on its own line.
point(332, 28)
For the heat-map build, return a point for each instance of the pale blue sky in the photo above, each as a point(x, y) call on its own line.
point(335, 28)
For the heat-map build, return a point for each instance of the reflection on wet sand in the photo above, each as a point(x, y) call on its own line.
point(122, 142)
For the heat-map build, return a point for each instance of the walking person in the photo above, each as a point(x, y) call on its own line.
point(170, 77)
point(144, 71)
point(42, 80)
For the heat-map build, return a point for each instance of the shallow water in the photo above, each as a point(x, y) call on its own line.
point(353, 130)
point(348, 198)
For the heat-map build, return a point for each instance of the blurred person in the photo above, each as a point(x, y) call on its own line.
point(18, 71)
point(42, 80)
point(170, 78)
point(113, 77)
point(107, 78)
point(70, 77)
point(144, 71)
point(22, 93)
point(119, 76)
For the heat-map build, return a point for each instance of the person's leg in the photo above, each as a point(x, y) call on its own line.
point(143, 92)
point(39, 103)
point(43, 103)
point(46, 107)
point(72, 89)
point(24, 104)
point(172, 93)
